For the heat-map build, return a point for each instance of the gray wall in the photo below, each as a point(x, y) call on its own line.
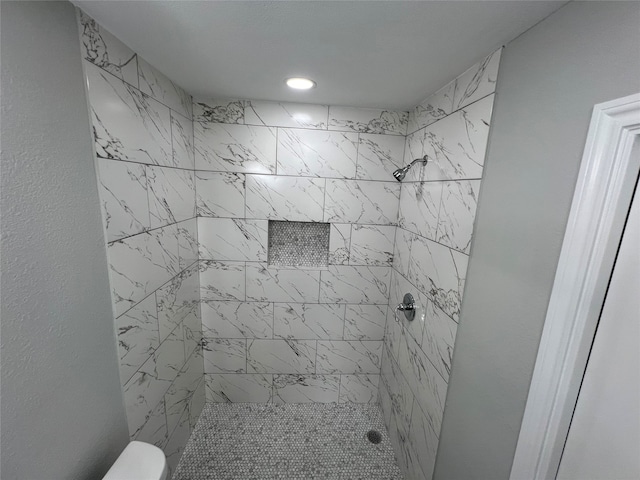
point(549, 80)
point(62, 409)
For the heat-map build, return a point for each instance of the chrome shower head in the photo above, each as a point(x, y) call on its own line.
point(400, 173)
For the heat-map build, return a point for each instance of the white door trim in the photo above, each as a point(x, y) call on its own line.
point(600, 204)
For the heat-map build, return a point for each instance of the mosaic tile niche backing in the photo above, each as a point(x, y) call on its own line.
point(298, 244)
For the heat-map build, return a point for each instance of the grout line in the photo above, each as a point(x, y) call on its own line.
point(149, 230)
point(137, 87)
point(454, 111)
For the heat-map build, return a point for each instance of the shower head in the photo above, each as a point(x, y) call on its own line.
point(400, 173)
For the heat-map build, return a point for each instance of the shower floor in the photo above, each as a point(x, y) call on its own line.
point(292, 441)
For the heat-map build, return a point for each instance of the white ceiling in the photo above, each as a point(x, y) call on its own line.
point(362, 53)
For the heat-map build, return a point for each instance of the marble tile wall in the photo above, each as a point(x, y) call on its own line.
point(145, 160)
point(187, 190)
point(286, 334)
point(431, 250)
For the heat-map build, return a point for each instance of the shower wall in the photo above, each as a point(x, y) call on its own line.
point(143, 137)
point(432, 245)
point(295, 334)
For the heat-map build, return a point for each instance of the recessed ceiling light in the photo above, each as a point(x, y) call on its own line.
point(300, 83)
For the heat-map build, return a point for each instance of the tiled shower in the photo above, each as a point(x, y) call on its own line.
point(190, 190)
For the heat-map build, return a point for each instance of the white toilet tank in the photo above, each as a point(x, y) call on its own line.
point(139, 461)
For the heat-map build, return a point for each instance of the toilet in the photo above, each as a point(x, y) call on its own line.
point(139, 461)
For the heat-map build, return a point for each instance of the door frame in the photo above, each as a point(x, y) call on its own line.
point(601, 201)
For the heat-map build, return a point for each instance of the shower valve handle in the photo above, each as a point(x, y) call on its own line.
point(407, 306)
point(403, 307)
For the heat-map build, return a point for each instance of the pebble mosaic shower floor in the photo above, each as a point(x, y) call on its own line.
point(247, 441)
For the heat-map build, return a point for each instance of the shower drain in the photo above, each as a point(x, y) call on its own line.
point(374, 436)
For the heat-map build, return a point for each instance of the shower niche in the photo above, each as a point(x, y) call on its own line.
point(298, 244)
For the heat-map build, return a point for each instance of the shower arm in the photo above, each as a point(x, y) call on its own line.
point(423, 160)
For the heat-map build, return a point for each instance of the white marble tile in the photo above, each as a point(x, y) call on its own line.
point(196, 403)
point(477, 82)
point(182, 140)
point(361, 201)
point(169, 357)
point(179, 393)
point(187, 242)
point(104, 50)
point(293, 115)
point(176, 300)
point(365, 322)
point(123, 198)
point(154, 430)
point(235, 148)
point(192, 329)
point(379, 156)
point(285, 198)
point(222, 280)
point(438, 339)
point(138, 265)
point(350, 356)
point(393, 331)
point(435, 107)
point(384, 399)
point(157, 85)
point(305, 388)
point(138, 337)
point(456, 145)
point(414, 148)
point(237, 319)
point(171, 195)
point(414, 468)
point(316, 153)
point(457, 214)
point(177, 442)
point(281, 356)
point(358, 388)
point(372, 244)
point(308, 321)
point(127, 125)
point(440, 273)
point(142, 393)
point(368, 120)
point(218, 110)
point(339, 243)
point(234, 388)
point(168, 238)
point(348, 284)
point(428, 386)
point(420, 207)
point(223, 355)
point(271, 284)
point(398, 389)
point(399, 435)
point(220, 194)
point(402, 250)
point(232, 239)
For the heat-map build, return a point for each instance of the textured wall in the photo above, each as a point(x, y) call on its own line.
point(143, 137)
point(288, 334)
point(62, 411)
point(550, 78)
point(433, 239)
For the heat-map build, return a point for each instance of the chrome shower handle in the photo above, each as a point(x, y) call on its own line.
point(403, 307)
point(407, 306)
